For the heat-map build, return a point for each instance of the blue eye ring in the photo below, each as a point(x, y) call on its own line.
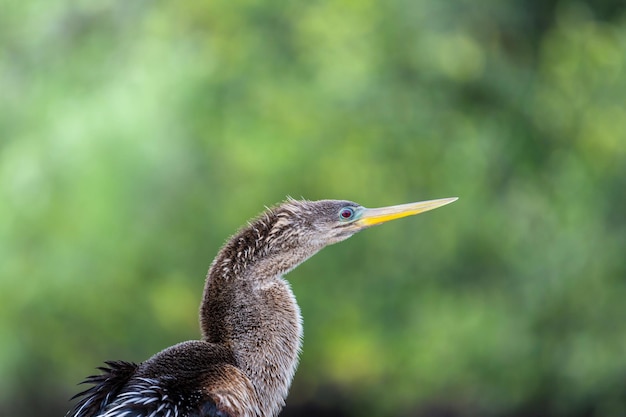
point(346, 214)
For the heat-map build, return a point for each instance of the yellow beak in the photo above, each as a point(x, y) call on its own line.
point(371, 217)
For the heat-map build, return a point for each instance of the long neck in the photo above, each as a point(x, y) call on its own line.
point(249, 308)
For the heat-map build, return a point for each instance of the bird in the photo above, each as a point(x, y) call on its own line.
point(250, 322)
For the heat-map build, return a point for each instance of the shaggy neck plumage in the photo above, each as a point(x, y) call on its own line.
point(268, 247)
point(249, 308)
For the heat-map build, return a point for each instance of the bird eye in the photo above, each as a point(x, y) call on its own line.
point(346, 213)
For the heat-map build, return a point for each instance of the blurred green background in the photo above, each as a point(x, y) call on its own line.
point(136, 136)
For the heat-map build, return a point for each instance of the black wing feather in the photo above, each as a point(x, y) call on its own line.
point(105, 389)
point(118, 391)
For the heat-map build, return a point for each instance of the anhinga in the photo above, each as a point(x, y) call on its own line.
point(251, 324)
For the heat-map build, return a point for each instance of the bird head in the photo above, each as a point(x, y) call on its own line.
point(324, 222)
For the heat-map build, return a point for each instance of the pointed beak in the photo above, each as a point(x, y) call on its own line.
point(371, 217)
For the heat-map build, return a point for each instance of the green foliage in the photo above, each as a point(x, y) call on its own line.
point(135, 137)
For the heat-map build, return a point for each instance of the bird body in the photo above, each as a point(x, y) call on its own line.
point(250, 322)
